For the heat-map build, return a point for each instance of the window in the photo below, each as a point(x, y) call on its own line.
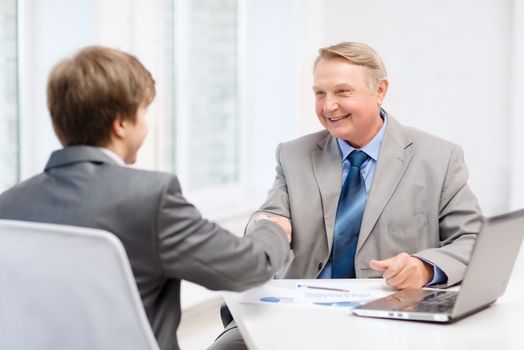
point(234, 97)
point(207, 120)
point(9, 145)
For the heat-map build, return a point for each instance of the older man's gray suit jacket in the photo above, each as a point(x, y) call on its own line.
point(165, 237)
point(419, 202)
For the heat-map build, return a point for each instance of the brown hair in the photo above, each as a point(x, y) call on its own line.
point(85, 94)
point(359, 54)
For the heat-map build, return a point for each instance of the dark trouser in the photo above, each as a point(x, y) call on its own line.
point(229, 339)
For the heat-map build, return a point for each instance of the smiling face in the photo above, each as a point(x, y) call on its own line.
point(347, 104)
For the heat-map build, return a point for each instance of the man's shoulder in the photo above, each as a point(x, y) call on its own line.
point(424, 140)
point(301, 148)
point(144, 173)
point(141, 178)
point(308, 142)
point(12, 191)
point(418, 138)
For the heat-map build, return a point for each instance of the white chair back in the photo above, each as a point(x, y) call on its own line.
point(65, 287)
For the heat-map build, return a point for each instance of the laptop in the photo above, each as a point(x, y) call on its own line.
point(485, 280)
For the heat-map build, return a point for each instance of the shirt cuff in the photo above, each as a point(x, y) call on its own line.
point(439, 277)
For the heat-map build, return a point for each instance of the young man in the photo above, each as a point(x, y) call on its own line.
point(98, 101)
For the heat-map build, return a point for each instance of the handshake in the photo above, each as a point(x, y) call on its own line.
point(282, 221)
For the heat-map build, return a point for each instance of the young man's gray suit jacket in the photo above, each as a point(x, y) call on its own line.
point(419, 202)
point(165, 237)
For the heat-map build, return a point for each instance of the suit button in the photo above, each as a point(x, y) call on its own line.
point(320, 266)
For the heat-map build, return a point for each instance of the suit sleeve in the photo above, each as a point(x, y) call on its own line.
point(197, 250)
point(277, 200)
point(460, 220)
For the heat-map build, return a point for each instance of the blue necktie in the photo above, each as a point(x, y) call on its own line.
point(350, 209)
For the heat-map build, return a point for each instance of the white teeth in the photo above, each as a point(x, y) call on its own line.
point(334, 119)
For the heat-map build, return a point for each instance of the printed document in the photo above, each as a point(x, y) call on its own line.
point(315, 292)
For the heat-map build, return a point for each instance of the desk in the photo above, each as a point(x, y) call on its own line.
point(273, 327)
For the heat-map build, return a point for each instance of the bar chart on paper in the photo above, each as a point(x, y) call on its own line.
point(316, 294)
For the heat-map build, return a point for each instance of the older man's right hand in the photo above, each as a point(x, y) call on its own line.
point(281, 221)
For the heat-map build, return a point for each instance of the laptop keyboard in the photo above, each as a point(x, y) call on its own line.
point(435, 302)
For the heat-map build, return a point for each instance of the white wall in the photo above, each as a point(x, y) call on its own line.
point(453, 69)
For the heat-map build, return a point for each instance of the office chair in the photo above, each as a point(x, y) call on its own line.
point(65, 287)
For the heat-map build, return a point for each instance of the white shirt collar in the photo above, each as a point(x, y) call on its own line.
point(112, 155)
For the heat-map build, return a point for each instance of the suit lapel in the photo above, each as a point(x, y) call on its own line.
point(393, 159)
point(327, 167)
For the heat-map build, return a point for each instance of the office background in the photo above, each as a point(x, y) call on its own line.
point(234, 79)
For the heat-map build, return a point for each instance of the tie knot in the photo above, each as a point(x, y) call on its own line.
point(357, 158)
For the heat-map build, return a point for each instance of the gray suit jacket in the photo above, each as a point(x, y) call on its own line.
point(165, 237)
point(419, 202)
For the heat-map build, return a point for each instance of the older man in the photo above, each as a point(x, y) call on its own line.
point(367, 196)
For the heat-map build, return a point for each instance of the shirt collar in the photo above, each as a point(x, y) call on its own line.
point(112, 155)
point(372, 148)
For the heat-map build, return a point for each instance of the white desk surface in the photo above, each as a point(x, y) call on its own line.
point(273, 327)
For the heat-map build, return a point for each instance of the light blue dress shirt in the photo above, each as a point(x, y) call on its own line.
point(368, 171)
